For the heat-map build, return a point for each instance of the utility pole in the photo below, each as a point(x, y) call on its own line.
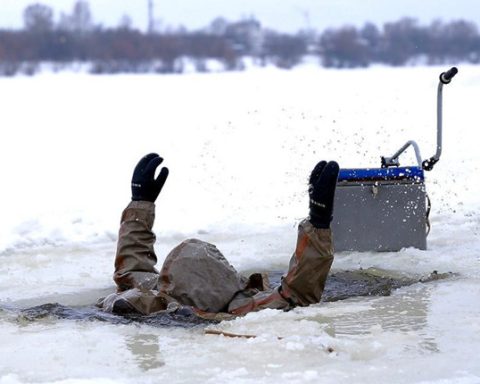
point(151, 22)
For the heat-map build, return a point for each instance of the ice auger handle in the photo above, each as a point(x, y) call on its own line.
point(446, 77)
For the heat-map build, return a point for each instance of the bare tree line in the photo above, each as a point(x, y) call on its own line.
point(123, 49)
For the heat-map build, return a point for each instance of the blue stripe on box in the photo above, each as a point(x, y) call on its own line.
point(397, 173)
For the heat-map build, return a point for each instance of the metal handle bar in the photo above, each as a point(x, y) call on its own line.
point(393, 160)
point(445, 78)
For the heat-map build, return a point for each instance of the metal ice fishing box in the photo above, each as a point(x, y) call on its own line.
point(387, 208)
point(380, 209)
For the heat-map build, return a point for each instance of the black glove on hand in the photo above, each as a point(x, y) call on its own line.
point(322, 184)
point(144, 185)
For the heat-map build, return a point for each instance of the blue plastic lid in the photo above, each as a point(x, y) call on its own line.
point(396, 173)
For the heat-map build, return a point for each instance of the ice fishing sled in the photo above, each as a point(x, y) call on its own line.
point(387, 208)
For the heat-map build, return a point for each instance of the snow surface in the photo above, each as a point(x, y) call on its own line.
point(239, 147)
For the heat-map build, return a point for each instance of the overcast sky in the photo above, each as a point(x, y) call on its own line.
point(286, 15)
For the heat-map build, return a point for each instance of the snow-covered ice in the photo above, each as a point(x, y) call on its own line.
point(239, 147)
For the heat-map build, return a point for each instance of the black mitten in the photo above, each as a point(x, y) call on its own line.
point(144, 185)
point(322, 184)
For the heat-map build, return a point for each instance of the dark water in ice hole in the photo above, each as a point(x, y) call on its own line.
point(340, 285)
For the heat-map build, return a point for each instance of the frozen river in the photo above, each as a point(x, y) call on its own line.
point(239, 147)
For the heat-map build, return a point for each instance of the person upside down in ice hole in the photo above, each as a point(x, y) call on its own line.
point(196, 278)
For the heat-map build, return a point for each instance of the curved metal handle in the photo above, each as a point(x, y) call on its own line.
point(445, 78)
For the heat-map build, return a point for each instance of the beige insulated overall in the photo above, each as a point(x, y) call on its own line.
point(196, 274)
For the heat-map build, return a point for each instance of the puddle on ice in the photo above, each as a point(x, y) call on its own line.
point(405, 312)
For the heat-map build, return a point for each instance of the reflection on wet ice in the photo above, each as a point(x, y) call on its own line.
point(405, 312)
point(146, 351)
